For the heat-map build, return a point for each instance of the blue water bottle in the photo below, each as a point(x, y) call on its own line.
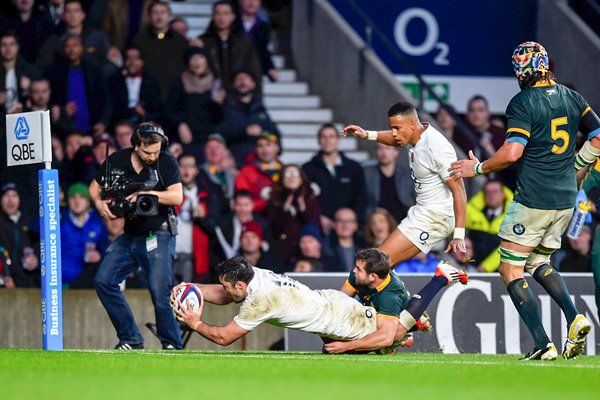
point(578, 219)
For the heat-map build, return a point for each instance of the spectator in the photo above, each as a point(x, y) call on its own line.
point(251, 248)
point(389, 184)
point(84, 239)
point(87, 161)
point(485, 213)
point(215, 153)
point(225, 233)
point(380, 224)
point(310, 248)
point(201, 199)
point(307, 265)
point(161, 47)
point(292, 204)
point(122, 20)
point(53, 11)
point(259, 175)
point(72, 143)
point(245, 116)
point(343, 244)
point(136, 95)
point(15, 74)
point(578, 257)
point(30, 27)
point(448, 125)
point(259, 32)
point(478, 120)
point(39, 100)
point(94, 42)
point(421, 263)
point(193, 105)
point(463, 261)
point(181, 26)
point(6, 281)
point(78, 86)
point(16, 238)
point(123, 131)
point(115, 228)
point(228, 49)
point(340, 179)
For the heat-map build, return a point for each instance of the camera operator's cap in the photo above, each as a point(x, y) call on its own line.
point(216, 136)
point(104, 138)
point(254, 227)
point(80, 189)
point(7, 187)
point(268, 136)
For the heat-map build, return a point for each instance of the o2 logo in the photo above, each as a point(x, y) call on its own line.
point(432, 35)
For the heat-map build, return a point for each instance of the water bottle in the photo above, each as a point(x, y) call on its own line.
point(578, 219)
point(89, 247)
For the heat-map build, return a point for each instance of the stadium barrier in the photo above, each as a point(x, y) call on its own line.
point(87, 326)
point(477, 318)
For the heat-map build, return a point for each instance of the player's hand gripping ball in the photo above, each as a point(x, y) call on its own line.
point(187, 294)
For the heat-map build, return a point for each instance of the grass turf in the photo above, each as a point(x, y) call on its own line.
point(112, 375)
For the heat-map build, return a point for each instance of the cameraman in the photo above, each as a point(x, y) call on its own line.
point(148, 241)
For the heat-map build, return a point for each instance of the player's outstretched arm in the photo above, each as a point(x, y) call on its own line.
point(221, 335)
point(508, 154)
point(384, 137)
point(382, 337)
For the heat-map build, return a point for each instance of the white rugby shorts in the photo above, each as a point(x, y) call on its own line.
point(426, 228)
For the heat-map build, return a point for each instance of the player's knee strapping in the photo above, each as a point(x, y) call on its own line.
point(536, 259)
point(513, 257)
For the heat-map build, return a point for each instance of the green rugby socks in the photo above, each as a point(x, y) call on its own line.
point(522, 298)
point(554, 284)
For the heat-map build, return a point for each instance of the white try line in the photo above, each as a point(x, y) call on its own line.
point(387, 359)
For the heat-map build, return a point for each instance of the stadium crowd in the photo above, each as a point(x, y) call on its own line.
point(103, 67)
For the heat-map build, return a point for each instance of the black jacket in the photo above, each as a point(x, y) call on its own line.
point(150, 98)
point(346, 189)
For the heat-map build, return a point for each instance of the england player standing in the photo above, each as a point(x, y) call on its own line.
point(542, 123)
point(441, 201)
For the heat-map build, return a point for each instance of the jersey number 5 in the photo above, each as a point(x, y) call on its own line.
point(559, 134)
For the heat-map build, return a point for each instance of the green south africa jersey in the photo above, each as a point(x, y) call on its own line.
point(387, 299)
point(545, 119)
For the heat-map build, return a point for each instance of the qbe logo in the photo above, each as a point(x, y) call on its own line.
point(21, 129)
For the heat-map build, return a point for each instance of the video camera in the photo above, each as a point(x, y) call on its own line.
point(116, 189)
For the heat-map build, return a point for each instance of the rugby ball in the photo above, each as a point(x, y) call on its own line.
point(188, 292)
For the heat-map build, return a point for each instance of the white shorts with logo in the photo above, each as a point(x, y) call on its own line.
point(345, 318)
point(532, 227)
point(426, 228)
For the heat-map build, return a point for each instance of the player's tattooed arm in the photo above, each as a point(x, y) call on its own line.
point(384, 137)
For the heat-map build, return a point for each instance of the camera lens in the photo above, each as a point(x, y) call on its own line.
point(145, 204)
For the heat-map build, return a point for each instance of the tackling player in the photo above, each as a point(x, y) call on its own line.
point(282, 301)
point(542, 123)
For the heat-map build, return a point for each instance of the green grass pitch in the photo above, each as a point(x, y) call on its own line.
point(112, 375)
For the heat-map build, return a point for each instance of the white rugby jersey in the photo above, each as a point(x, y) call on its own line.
point(429, 161)
point(282, 301)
